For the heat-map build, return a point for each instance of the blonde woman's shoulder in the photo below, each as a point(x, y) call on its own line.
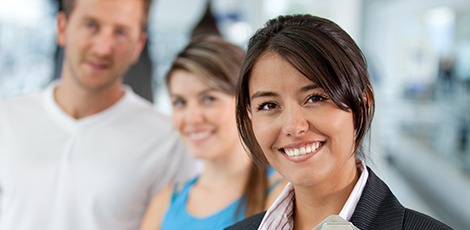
point(156, 209)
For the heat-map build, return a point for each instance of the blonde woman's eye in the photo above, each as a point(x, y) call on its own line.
point(208, 99)
point(178, 102)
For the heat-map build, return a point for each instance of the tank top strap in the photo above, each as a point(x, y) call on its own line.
point(177, 188)
point(271, 172)
point(177, 216)
point(270, 189)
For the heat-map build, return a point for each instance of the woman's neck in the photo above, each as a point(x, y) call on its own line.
point(228, 168)
point(222, 182)
point(315, 203)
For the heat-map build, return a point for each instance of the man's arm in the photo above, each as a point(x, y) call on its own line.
point(178, 166)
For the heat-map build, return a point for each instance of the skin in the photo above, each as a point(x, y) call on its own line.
point(205, 118)
point(289, 111)
point(102, 39)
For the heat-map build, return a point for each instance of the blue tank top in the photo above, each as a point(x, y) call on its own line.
point(177, 216)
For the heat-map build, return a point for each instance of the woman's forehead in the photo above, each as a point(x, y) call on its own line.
point(273, 73)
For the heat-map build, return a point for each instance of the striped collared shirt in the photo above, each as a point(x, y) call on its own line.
point(279, 215)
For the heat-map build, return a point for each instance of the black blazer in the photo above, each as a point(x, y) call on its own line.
point(377, 208)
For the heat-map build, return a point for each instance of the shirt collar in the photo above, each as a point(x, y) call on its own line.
point(353, 199)
point(73, 125)
point(279, 215)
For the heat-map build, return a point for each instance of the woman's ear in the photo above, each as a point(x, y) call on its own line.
point(248, 111)
point(368, 97)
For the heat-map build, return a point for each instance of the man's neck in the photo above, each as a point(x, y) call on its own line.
point(79, 102)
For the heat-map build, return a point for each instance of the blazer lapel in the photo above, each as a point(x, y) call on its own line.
point(377, 208)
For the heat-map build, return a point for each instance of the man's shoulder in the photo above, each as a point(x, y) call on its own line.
point(31, 96)
point(147, 111)
point(250, 223)
point(23, 100)
point(417, 220)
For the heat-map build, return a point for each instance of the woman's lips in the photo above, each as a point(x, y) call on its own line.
point(303, 150)
point(299, 154)
point(199, 136)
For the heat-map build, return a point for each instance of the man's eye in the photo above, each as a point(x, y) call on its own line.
point(90, 25)
point(121, 32)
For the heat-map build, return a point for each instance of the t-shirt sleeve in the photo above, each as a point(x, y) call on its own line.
point(179, 166)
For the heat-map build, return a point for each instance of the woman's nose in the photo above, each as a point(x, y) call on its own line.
point(195, 115)
point(295, 123)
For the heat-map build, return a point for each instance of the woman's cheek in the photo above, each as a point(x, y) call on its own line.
point(263, 132)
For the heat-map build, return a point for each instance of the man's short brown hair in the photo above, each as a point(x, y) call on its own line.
point(68, 5)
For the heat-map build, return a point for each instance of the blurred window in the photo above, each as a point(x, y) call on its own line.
point(27, 45)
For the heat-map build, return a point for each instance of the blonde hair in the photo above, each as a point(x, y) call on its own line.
point(217, 63)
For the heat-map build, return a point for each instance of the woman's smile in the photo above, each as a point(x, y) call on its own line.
point(299, 128)
point(301, 152)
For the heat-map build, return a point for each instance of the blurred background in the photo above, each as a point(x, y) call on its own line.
point(418, 52)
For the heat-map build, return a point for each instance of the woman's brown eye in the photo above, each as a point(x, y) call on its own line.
point(316, 98)
point(267, 106)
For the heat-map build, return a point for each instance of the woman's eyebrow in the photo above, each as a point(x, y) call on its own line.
point(263, 94)
point(206, 91)
point(308, 87)
point(272, 94)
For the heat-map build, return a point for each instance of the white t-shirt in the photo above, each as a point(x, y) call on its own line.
point(95, 173)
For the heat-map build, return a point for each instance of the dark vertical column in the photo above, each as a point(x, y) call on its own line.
point(207, 25)
point(59, 51)
point(139, 76)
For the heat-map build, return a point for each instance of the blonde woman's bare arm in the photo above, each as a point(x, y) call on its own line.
point(157, 207)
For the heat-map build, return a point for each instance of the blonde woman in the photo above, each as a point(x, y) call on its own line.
point(202, 84)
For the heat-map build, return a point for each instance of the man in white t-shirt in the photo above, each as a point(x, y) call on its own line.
point(87, 153)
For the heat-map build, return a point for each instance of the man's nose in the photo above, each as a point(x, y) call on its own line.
point(104, 43)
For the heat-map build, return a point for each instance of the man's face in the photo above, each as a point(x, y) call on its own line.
point(102, 38)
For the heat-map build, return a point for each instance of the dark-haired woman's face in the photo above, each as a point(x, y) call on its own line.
point(304, 135)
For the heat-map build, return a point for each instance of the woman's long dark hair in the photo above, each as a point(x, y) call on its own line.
point(323, 53)
point(217, 63)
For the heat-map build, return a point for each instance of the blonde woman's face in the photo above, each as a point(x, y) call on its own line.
point(304, 135)
point(205, 117)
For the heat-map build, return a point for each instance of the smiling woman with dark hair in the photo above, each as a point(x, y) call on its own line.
point(304, 105)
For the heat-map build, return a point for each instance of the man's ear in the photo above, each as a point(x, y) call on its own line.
point(61, 26)
point(139, 47)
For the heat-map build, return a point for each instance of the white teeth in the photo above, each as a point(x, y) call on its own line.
point(296, 152)
point(303, 150)
point(198, 136)
point(315, 146)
